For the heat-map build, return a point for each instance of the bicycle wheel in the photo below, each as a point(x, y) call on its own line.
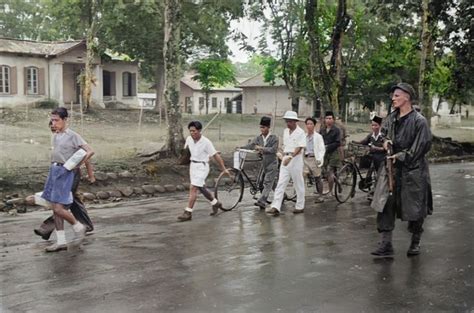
point(345, 182)
point(229, 190)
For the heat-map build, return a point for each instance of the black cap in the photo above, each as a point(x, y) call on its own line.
point(406, 88)
point(377, 119)
point(265, 121)
point(329, 113)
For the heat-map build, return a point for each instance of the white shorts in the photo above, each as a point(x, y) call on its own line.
point(198, 173)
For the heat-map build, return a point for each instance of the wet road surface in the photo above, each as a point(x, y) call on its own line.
point(140, 260)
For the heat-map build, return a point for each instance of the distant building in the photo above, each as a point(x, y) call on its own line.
point(221, 99)
point(33, 71)
point(269, 99)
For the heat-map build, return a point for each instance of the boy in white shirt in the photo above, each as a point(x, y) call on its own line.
point(201, 150)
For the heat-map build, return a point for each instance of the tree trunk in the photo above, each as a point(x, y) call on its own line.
point(295, 99)
point(310, 12)
point(439, 104)
point(336, 64)
point(453, 106)
point(89, 79)
point(172, 65)
point(426, 61)
point(88, 76)
point(207, 102)
point(160, 88)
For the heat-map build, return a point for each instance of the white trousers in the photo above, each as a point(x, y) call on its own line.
point(293, 170)
point(198, 173)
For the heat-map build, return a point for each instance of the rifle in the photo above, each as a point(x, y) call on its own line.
point(390, 170)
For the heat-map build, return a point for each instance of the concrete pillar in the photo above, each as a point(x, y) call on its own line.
point(56, 81)
point(97, 89)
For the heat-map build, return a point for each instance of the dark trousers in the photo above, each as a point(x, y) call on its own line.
point(77, 209)
point(386, 220)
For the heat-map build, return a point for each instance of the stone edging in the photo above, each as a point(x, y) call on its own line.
point(18, 205)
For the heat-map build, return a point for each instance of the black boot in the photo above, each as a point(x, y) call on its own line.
point(385, 249)
point(415, 245)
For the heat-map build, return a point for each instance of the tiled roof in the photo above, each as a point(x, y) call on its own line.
point(258, 81)
point(195, 85)
point(41, 48)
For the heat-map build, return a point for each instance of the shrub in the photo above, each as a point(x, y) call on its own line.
point(47, 104)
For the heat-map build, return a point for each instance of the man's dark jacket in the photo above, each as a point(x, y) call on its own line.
point(411, 137)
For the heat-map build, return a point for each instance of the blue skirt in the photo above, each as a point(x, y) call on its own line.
point(57, 188)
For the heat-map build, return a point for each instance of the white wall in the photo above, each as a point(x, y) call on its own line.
point(186, 91)
point(20, 98)
point(269, 99)
point(220, 95)
point(119, 68)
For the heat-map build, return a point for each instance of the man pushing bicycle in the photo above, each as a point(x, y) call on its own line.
point(267, 145)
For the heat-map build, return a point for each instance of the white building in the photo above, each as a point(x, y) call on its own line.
point(264, 98)
point(193, 99)
point(33, 71)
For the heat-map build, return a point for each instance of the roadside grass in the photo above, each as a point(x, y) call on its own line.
point(115, 136)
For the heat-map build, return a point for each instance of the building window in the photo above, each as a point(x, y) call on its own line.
point(4, 79)
point(32, 81)
point(214, 102)
point(129, 84)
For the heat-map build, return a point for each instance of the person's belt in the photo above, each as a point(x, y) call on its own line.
point(57, 164)
point(202, 162)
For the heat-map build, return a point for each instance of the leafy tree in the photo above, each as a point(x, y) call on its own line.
point(250, 68)
point(395, 60)
point(213, 73)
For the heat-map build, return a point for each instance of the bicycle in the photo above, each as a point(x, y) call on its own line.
point(346, 178)
point(230, 190)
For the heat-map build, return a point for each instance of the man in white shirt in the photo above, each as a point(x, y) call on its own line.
point(294, 142)
point(201, 150)
point(314, 155)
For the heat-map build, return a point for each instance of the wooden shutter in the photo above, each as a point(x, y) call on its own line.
point(112, 84)
point(41, 82)
point(125, 84)
point(13, 80)
point(25, 80)
point(134, 84)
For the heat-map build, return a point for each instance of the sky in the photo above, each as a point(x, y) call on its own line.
point(251, 29)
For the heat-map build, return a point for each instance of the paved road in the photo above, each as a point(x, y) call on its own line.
point(141, 260)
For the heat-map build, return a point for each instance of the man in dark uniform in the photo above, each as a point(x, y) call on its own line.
point(332, 140)
point(375, 142)
point(267, 145)
point(408, 133)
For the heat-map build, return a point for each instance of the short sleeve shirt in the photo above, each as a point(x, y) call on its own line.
point(65, 144)
point(294, 140)
point(201, 150)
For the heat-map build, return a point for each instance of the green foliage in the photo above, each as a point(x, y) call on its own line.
point(250, 68)
point(271, 69)
point(213, 73)
point(395, 60)
point(441, 78)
